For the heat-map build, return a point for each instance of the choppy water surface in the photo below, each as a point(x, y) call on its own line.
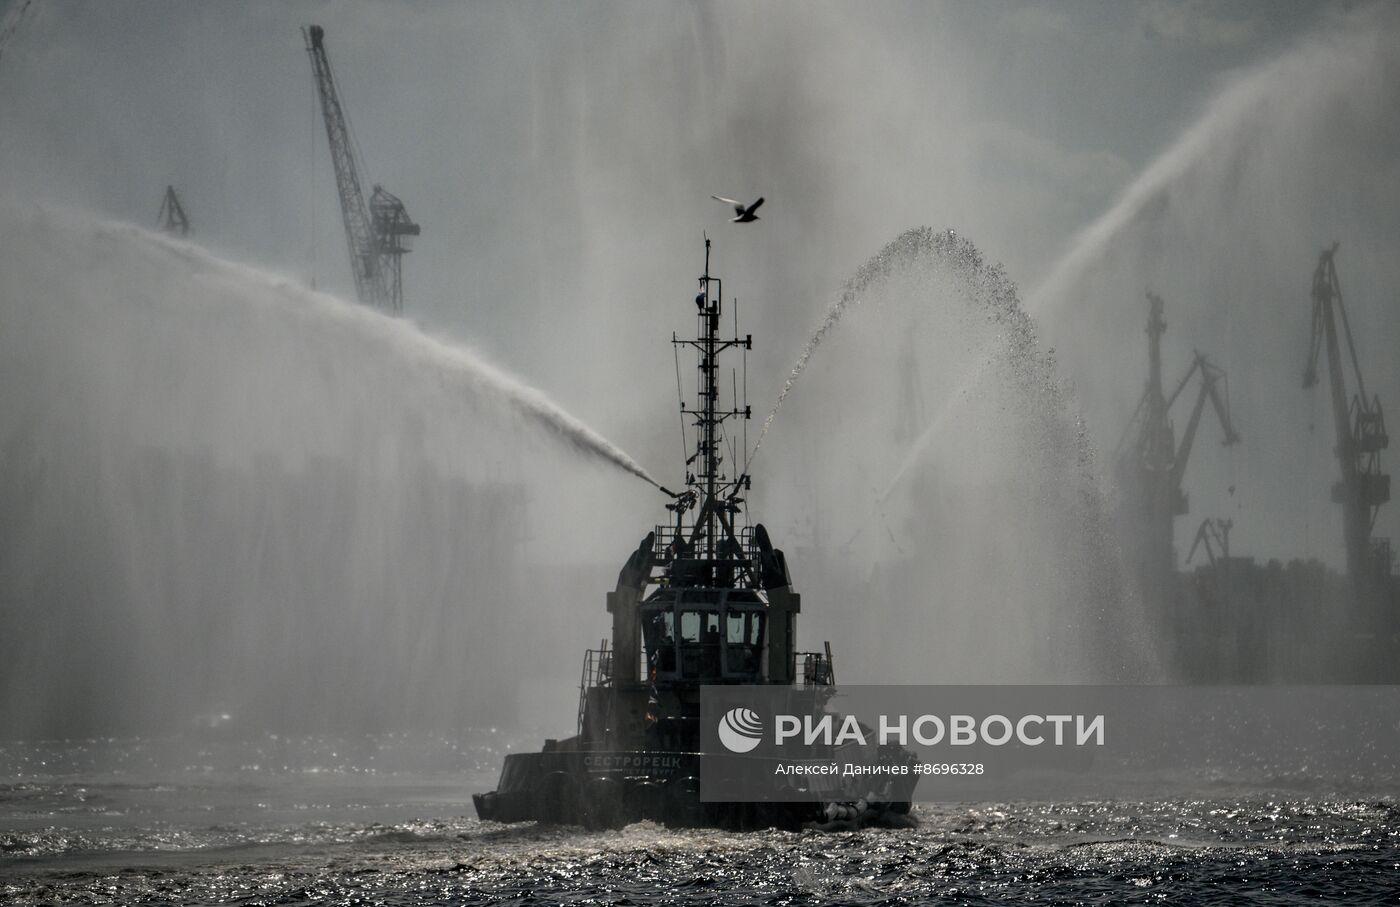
point(387, 820)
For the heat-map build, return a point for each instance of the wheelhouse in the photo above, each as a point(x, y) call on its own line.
point(708, 636)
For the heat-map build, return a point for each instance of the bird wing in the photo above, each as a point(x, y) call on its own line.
point(738, 206)
point(754, 207)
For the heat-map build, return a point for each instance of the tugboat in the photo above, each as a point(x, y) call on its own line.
point(705, 599)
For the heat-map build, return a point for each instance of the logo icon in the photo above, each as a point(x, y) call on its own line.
point(740, 730)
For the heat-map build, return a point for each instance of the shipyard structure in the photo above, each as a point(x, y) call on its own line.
point(1226, 617)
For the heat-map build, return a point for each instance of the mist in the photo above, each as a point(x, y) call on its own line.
point(1227, 225)
point(305, 510)
point(228, 491)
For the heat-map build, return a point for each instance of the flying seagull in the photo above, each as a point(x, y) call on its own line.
point(744, 214)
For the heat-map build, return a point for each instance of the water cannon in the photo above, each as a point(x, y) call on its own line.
point(681, 502)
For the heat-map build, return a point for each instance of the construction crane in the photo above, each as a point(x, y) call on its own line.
point(1360, 429)
point(1152, 469)
point(1214, 537)
point(172, 214)
point(377, 233)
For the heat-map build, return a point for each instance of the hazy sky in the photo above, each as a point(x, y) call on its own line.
point(560, 158)
point(516, 126)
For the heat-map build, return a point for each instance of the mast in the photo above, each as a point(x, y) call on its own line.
point(703, 555)
point(709, 485)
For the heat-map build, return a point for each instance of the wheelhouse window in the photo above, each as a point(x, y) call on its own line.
point(743, 639)
point(704, 641)
point(700, 643)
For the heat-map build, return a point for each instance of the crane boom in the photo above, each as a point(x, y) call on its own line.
point(375, 233)
point(1211, 376)
point(1359, 426)
point(1153, 466)
point(347, 179)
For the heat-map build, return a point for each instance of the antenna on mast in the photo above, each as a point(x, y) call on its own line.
point(709, 486)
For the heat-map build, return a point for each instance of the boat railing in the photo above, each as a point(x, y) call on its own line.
point(815, 669)
point(670, 549)
point(597, 672)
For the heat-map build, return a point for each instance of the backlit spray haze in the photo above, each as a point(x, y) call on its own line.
point(228, 491)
